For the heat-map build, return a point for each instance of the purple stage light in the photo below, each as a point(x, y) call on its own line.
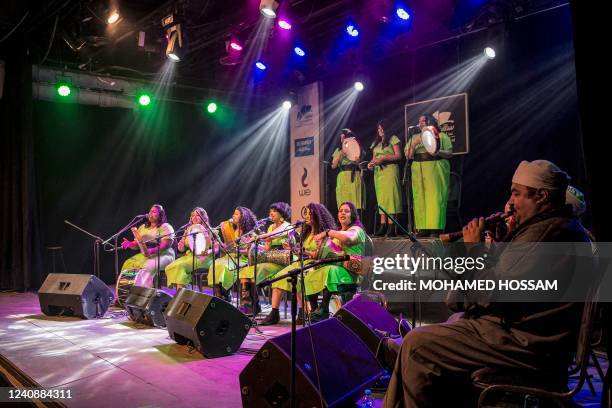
point(284, 24)
point(235, 46)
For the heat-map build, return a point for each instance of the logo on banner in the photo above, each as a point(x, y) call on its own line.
point(304, 147)
point(446, 124)
point(305, 191)
point(304, 116)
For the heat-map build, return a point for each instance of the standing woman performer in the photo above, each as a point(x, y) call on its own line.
point(336, 279)
point(385, 153)
point(430, 179)
point(179, 271)
point(349, 182)
point(279, 213)
point(243, 220)
point(316, 219)
point(146, 261)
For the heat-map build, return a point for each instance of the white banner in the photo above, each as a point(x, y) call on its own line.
point(306, 149)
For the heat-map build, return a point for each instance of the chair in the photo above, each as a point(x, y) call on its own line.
point(453, 208)
point(492, 380)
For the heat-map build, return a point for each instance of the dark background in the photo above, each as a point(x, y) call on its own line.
point(98, 167)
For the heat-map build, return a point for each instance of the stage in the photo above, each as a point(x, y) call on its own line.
point(115, 362)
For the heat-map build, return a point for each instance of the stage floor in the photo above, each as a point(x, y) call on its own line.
point(114, 362)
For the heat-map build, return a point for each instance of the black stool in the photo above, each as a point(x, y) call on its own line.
point(53, 250)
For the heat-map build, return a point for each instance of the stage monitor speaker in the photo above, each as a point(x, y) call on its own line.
point(74, 295)
point(375, 326)
point(346, 366)
point(147, 305)
point(212, 325)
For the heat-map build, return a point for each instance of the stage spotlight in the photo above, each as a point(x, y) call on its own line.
point(287, 105)
point(63, 89)
point(284, 24)
point(489, 53)
point(212, 107)
point(144, 99)
point(351, 29)
point(268, 8)
point(113, 17)
point(235, 45)
point(260, 65)
point(402, 13)
point(299, 51)
point(174, 49)
point(359, 86)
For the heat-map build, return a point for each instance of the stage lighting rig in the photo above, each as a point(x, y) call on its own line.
point(174, 34)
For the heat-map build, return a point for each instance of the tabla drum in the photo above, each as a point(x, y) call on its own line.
point(430, 139)
point(351, 149)
point(275, 256)
point(124, 283)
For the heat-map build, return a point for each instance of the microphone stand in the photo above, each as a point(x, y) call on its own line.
point(97, 241)
point(115, 237)
point(407, 181)
point(158, 240)
point(292, 276)
point(416, 246)
point(215, 237)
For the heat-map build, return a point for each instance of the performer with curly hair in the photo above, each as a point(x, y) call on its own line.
point(243, 220)
point(195, 238)
point(317, 219)
point(279, 213)
point(146, 261)
point(331, 279)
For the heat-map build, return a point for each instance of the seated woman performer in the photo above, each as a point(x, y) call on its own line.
point(317, 219)
point(146, 261)
point(278, 213)
point(195, 239)
point(243, 220)
point(330, 279)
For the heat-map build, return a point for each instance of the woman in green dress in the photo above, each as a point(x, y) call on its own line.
point(278, 233)
point(195, 239)
point(349, 182)
point(243, 220)
point(430, 180)
point(316, 219)
point(385, 154)
point(336, 279)
point(146, 262)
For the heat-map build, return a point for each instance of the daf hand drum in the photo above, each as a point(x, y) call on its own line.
point(351, 149)
point(430, 139)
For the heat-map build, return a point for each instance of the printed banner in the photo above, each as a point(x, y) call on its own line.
point(306, 149)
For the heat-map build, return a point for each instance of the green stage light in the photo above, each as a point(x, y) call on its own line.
point(212, 107)
point(63, 90)
point(144, 100)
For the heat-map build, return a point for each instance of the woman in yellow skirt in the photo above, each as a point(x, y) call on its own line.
point(195, 239)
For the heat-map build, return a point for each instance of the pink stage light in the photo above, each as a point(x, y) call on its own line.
point(235, 46)
point(284, 24)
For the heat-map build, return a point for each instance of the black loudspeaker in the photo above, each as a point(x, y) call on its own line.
point(147, 305)
point(375, 326)
point(212, 325)
point(74, 295)
point(346, 366)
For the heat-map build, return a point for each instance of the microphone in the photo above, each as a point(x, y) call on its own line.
point(413, 126)
point(142, 216)
point(298, 223)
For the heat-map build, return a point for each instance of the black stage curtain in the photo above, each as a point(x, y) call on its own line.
point(19, 225)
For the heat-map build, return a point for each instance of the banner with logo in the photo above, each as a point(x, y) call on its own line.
point(306, 149)
point(452, 115)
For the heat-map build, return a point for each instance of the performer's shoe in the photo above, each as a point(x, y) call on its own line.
point(320, 314)
point(272, 318)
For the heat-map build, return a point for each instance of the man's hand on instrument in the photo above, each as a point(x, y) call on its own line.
point(473, 232)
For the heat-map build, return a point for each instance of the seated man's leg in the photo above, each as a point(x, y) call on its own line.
point(435, 362)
